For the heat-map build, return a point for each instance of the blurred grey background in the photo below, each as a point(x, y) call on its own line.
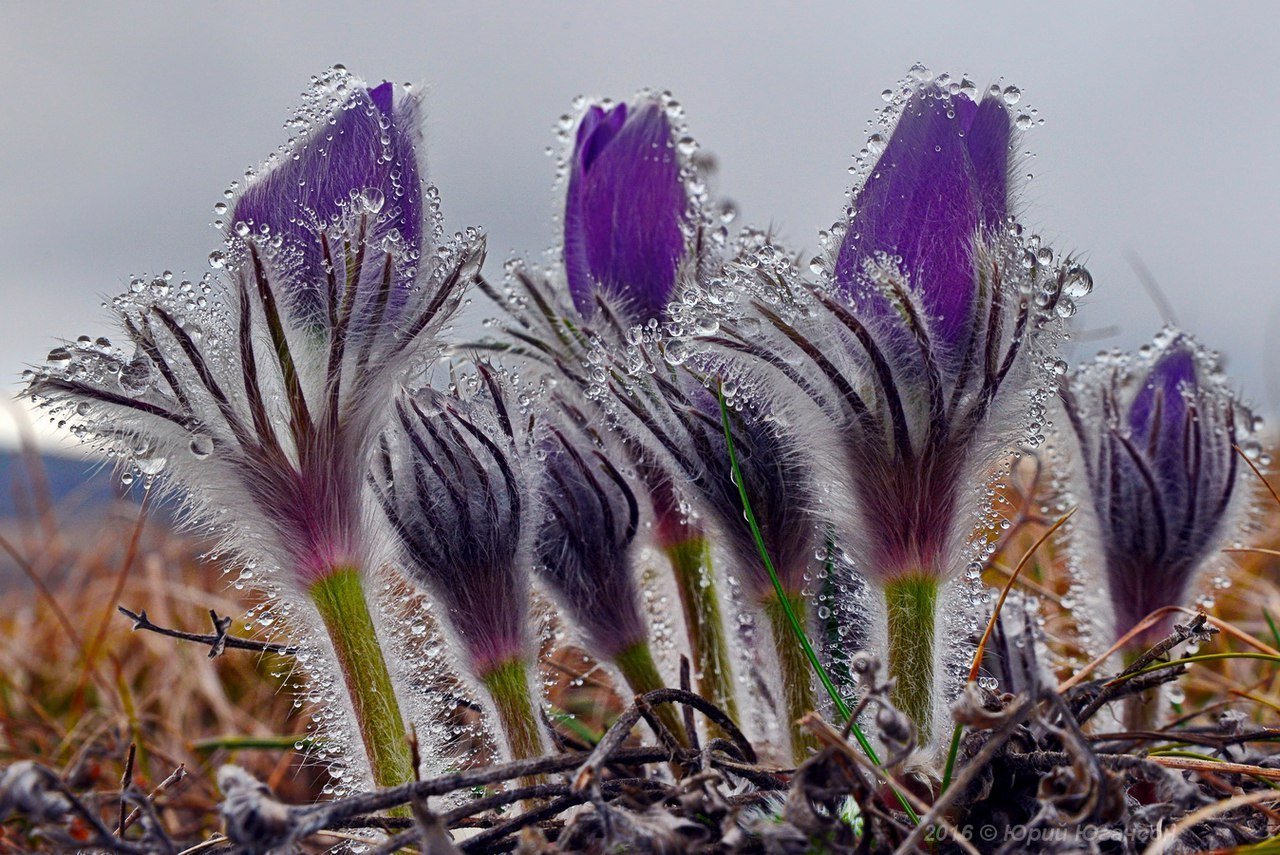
point(122, 123)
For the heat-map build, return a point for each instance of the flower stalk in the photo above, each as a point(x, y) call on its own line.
point(507, 685)
point(641, 673)
point(694, 576)
point(793, 666)
point(340, 600)
point(911, 608)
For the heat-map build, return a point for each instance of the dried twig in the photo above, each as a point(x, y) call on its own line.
point(218, 642)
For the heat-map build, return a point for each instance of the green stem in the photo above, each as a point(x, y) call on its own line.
point(340, 599)
point(796, 627)
point(641, 673)
point(911, 603)
point(793, 665)
point(508, 686)
point(695, 581)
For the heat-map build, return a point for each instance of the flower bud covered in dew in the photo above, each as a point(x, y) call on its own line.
point(1155, 465)
point(624, 210)
point(631, 221)
point(257, 392)
point(455, 480)
point(915, 365)
point(587, 554)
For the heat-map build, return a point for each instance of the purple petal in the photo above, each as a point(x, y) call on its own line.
point(624, 210)
point(988, 139)
point(1172, 377)
point(370, 148)
point(940, 178)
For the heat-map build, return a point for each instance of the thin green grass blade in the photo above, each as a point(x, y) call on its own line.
point(1275, 633)
point(801, 636)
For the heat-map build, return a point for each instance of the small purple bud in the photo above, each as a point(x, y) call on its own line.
point(357, 162)
point(451, 481)
point(624, 210)
point(585, 550)
point(940, 184)
point(1157, 458)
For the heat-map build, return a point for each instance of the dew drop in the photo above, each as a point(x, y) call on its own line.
point(201, 446)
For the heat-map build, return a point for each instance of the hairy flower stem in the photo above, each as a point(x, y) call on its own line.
point(638, 668)
point(796, 673)
point(911, 604)
point(695, 580)
point(340, 599)
point(1142, 710)
point(508, 686)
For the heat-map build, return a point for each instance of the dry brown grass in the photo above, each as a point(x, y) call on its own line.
point(78, 686)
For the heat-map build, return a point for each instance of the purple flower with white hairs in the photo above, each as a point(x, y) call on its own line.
point(1155, 442)
point(586, 552)
point(918, 362)
point(937, 192)
point(625, 210)
point(454, 479)
point(258, 392)
point(364, 166)
point(628, 203)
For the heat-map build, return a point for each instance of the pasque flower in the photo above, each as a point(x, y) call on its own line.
point(625, 224)
point(454, 479)
point(586, 551)
point(625, 210)
point(919, 358)
point(258, 392)
point(629, 230)
point(1156, 461)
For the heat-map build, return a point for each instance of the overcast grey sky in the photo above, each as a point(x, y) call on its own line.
point(122, 123)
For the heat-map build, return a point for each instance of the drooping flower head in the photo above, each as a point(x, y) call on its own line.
point(625, 210)
point(456, 479)
point(1157, 470)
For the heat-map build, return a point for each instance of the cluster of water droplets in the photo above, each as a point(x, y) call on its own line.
point(125, 371)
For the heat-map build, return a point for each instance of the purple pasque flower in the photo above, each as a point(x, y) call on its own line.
point(1155, 442)
point(625, 211)
point(913, 368)
point(938, 191)
point(353, 170)
point(258, 408)
point(925, 350)
point(454, 478)
point(586, 548)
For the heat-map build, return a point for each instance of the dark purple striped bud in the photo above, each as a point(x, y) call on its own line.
point(1157, 470)
point(586, 547)
point(452, 482)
